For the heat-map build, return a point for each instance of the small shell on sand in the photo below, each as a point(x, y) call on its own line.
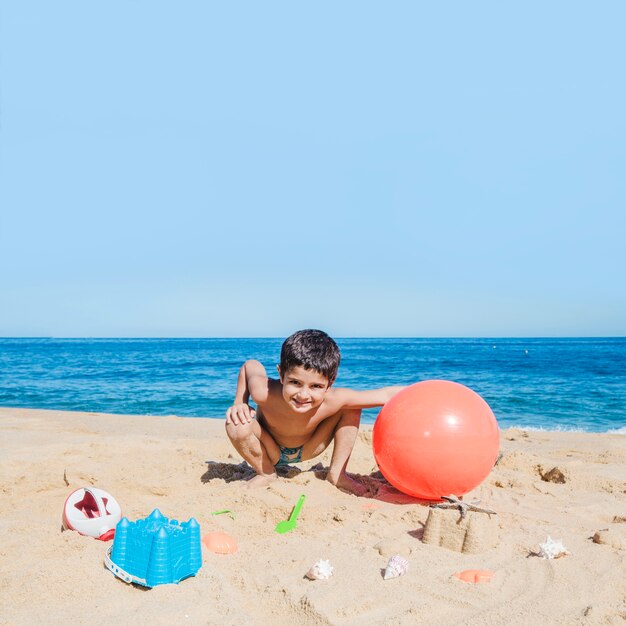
point(396, 566)
point(321, 570)
point(551, 549)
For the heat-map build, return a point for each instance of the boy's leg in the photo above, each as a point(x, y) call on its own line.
point(343, 428)
point(257, 447)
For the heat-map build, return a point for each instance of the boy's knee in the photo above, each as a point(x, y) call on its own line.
point(237, 432)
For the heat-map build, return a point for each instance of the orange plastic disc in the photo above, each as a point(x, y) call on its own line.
point(475, 575)
point(220, 543)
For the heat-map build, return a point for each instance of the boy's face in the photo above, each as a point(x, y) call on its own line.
point(303, 389)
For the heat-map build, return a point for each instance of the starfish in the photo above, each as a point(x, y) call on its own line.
point(452, 502)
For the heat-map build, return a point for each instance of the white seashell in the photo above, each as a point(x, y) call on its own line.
point(551, 549)
point(396, 566)
point(322, 570)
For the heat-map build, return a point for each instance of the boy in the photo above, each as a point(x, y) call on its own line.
point(299, 415)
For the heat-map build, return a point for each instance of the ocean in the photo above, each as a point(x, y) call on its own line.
point(551, 384)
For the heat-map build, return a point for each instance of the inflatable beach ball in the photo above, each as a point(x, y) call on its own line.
point(92, 512)
point(436, 438)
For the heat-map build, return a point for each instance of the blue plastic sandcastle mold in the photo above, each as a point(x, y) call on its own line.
point(155, 550)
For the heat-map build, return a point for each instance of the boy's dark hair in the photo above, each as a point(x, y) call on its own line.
point(313, 350)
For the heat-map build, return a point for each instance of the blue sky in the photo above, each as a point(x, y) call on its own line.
point(372, 169)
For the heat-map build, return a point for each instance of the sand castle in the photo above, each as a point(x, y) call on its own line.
point(472, 533)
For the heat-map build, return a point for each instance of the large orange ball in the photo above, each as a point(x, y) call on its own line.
point(436, 438)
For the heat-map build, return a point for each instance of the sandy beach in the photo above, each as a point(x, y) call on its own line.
point(186, 468)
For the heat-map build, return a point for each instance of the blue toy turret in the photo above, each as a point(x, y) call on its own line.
point(195, 552)
point(160, 566)
point(121, 541)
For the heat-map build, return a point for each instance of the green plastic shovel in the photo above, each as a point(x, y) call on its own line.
point(290, 524)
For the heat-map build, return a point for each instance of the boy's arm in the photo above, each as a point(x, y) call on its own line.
point(353, 399)
point(252, 381)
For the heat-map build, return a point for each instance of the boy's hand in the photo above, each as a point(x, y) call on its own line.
point(240, 414)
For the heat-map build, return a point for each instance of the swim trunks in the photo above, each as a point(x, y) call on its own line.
point(290, 455)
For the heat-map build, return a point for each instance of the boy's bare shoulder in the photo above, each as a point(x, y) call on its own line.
point(338, 397)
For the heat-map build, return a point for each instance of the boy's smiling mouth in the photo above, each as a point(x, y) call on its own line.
point(300, 404)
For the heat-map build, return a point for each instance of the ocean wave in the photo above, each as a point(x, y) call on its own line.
point(565, 429)
point(617, 431)
point(542, 429)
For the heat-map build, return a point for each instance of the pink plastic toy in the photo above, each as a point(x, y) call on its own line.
point(92, 512)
